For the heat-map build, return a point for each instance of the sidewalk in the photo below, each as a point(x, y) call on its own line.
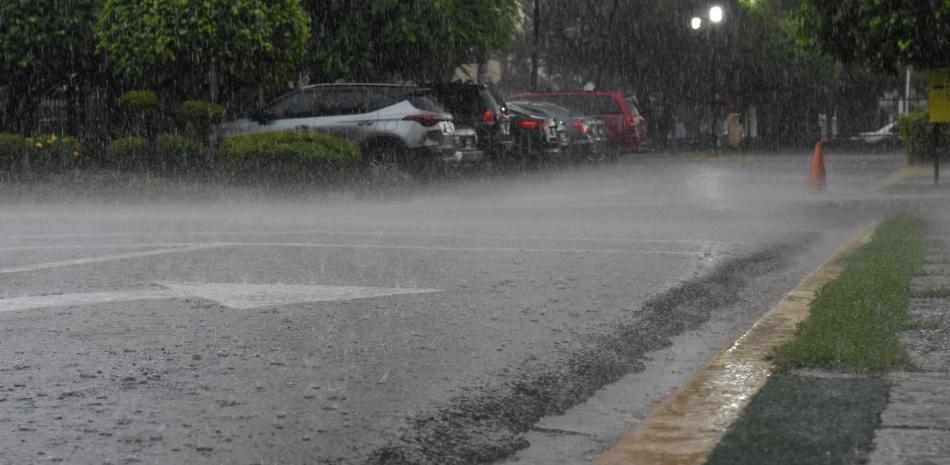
point(915, 424)
point(820, 415)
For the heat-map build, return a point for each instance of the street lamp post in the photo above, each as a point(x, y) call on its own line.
point(715, 15)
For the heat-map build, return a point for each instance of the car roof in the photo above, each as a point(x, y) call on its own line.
point(552, 106)
point(575, 93)
point(455, 84)
point(356, 84)
point(344, 84)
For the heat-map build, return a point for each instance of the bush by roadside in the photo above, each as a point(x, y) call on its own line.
point(169, 154)
point(385, 182)
point(179, 155)
point(142, 110)
point(39, 155)
point(917, 135)
point(199, 117)
point(128, 153)
point(276, 161)
point(12, 150)
point(293, 157)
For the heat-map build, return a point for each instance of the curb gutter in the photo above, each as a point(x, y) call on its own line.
point(688, 424)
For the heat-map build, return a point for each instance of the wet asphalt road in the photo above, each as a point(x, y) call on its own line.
point(433, 330)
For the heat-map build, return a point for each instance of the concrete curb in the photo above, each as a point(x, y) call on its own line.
point(905, 173)
point(688, 424)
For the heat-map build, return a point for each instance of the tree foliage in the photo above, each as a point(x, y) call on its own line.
point(750, 59)
point(881, 33)
point(45, 45)
point(190, 47)
point(404, 39)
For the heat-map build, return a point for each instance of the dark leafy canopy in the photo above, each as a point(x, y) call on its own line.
point(405, 39)
point(45, 45)
point(192, 46)
point(881, 33)
point(751, 58)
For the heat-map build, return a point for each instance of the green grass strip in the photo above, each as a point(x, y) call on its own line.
point(855, 318)
point(805, 420)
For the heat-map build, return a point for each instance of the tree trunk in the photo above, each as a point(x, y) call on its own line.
point(213, 82)
point(536, 21)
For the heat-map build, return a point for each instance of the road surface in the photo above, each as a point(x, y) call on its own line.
point(531, 319)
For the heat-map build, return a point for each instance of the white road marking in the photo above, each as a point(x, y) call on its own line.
point(105, 258)
point(67, 300)
point(245, 296)
point(327, 245)
point(380, 234)
point(102, 246)
point(237, 296)
point(187, 247)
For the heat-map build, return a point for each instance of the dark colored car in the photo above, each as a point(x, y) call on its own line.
point(626, 128)
point(473, 106)
point(586, 136)
point(538, 136)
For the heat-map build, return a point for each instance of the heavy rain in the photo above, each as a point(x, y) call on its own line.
point(454, 232)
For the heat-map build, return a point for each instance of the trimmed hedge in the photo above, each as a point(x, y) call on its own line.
point(12, 150)
point(917, 135)
point(199, 117)
point(289, 156)
point(52, 154)
point(175, 154)
point(140, 102)
point(143, 112)
point(128, 153)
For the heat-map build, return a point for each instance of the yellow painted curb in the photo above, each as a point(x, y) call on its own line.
point(688, 424)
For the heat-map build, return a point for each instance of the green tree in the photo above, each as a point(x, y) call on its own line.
point(647, 46)
point(218, 49)
point(404, 39)
point(46, 46)
point(883, 34)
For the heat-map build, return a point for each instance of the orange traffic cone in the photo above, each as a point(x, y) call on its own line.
point(816, 179)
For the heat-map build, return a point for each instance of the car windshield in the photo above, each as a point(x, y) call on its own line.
point(460, 100)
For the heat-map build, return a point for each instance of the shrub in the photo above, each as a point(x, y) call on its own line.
point(12, 149)
point(53, 154)
point(385, 182)
point(199, 117)
point(917, 135)
point(175, 154)
point(291, 156)
point(128, 153)
point(140, 102)
point(143, 111)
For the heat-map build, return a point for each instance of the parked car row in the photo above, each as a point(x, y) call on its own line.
point(415, 125)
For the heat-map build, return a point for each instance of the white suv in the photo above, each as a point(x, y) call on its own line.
point(390, 123)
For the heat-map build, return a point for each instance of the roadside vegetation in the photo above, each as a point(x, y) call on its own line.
point(855, 319)
point(160, 147)
point(824, 402)
point(921, 138)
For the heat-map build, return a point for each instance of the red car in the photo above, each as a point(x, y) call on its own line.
point(626, 129)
